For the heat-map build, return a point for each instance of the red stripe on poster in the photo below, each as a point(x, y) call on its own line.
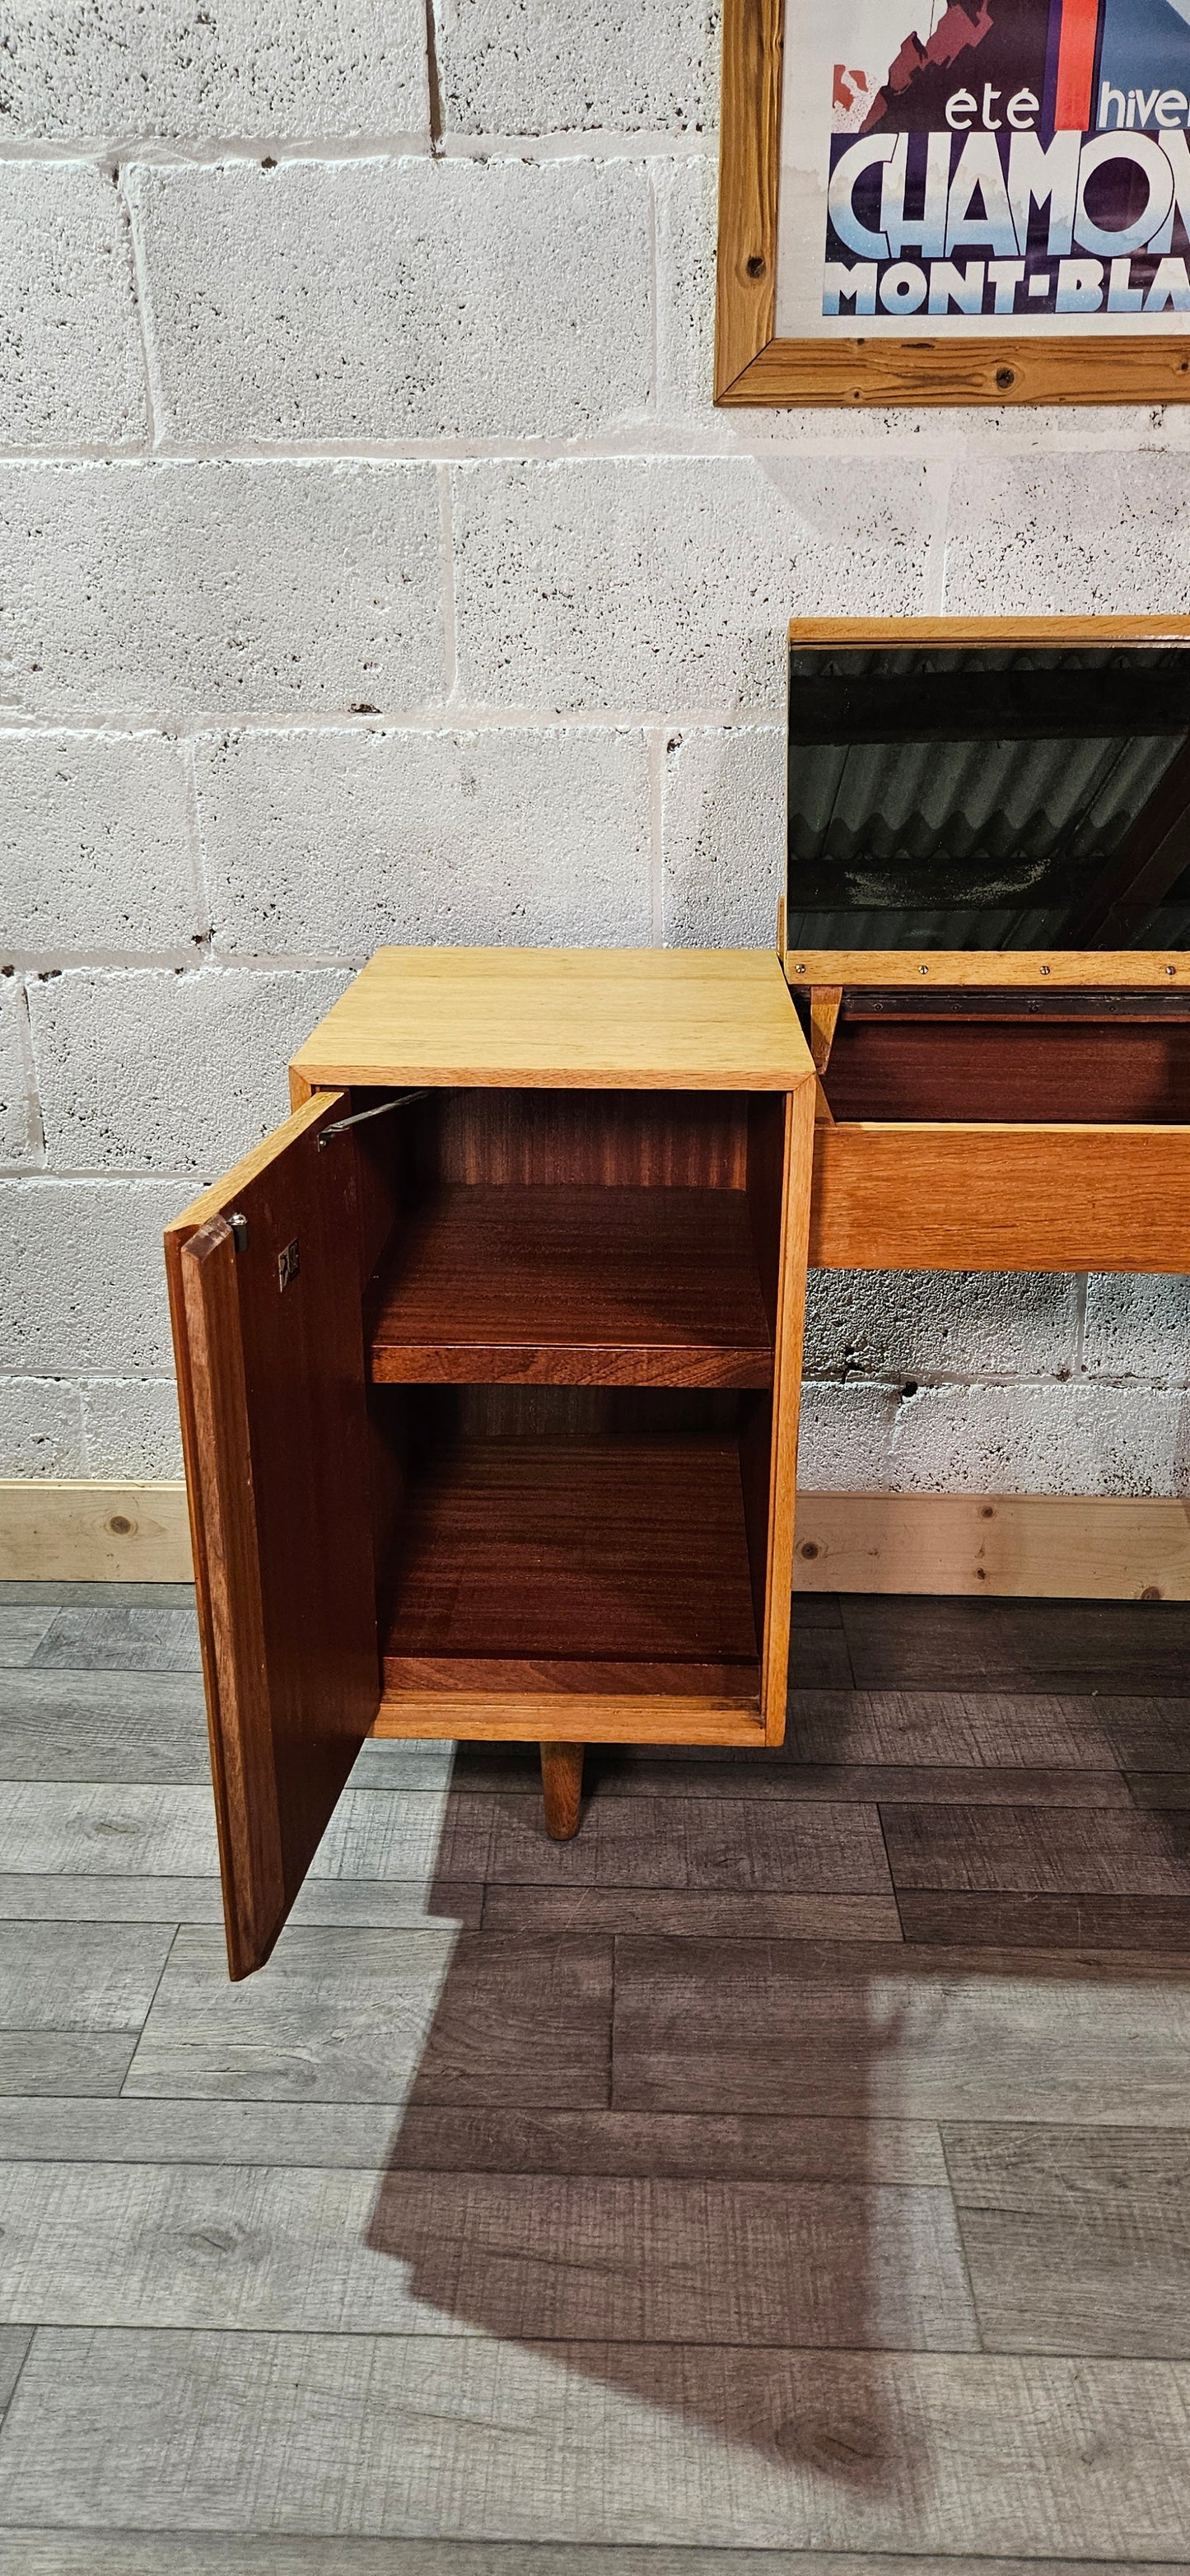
point(1076, 65)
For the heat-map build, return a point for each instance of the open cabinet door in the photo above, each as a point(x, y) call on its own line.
point(264, 1275)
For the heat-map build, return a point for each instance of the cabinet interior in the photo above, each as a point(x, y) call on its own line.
point(1102, 1058)
point(569, 1317)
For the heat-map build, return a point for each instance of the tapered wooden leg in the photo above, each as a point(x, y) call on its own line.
point(562, 1788)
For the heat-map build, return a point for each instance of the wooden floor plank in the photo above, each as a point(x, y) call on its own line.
point(1072, 1923)
point(48, 2062)
point(103, 1726)
point(190, 2553)
point(901, 1641)
point(1029, 1850)
point(722, 1844)
point(771, 1773)
point(963, 2454)
point(68, 1976)
point(123, 1638)
point(919, 2034)
point(530, 2258)
point(21, 1632)
point(365, 1903)
point(738, 1917)
point(363, 2016)
point(380, 2135)
point(950, 1728)
point(1078, 2240)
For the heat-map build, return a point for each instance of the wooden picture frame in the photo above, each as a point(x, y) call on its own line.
point(753, 365)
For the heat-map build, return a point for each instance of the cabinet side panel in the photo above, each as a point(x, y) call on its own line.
point(787, 1389)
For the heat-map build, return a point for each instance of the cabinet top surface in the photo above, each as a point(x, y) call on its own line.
point(561, 1018)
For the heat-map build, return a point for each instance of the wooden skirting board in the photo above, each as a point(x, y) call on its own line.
point(1068, 1546)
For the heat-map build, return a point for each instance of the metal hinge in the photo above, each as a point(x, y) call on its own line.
point(239, 1230)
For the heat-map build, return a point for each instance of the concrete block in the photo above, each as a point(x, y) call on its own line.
point(238, 585)
point(723, 836)
point(41, 1428)
point(233, 67)
point(157, 1071)
point(131, 1428)
point(845, 1442)
point(621, 65)
point(667, 584)
point(394, 299)
point(1074, 1439)
point(872, 1324)
point(70, 363)
point(687, 198)
point(1138, 1328)
point(19, 1127)
point(1072, 533)
point(95, 842)
point(82, 1280)
point(512, 837)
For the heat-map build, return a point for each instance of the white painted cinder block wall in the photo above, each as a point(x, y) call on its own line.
point(374, 566)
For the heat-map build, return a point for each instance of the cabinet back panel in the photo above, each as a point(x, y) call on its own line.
point(624, 1139)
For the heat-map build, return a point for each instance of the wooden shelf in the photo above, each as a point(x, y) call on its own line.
point(618, 1564)
point(562, 1285)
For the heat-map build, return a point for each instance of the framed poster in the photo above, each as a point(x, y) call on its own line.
point(954, 201)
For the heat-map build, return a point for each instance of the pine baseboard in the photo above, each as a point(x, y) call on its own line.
point(1091, 1547)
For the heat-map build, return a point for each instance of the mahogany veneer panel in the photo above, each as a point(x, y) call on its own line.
point(1057, 1071)
point(620, 1549)
point(578, 1286)
point(996, 1197)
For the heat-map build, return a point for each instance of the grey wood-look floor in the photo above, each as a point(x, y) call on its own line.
point(790, 2177)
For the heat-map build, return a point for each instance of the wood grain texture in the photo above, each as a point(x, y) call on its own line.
point(795, 1201)
point(582, 1018)
point(756, 1914)
point(1154, 1926)
point(717, 1845)
point(960, 970)
point(360, 2016)
point(93, 1532)
point(1077, 2240)
point(71, 1976)
point(749, 170)
point(905, 2031)
point(527, 2257)
point(843, 373)
point(1041, 1647)
point(962, 2454)
point(1055, 1546)
point(1030, 1070)
point(61, 1725)
point(1116, 1852)
point(275, 1434)
point(988, 1727)
point(566, 1285)
point(626, 1548)
point(982, 1197)
point(653, 1717)
point(41, 2064)
point(861, 633)
point(562, 1789)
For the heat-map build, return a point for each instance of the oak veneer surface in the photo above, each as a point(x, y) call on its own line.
point(990, 969)
point(629, 1549)
point(583, 1018)
point(560, 1285)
